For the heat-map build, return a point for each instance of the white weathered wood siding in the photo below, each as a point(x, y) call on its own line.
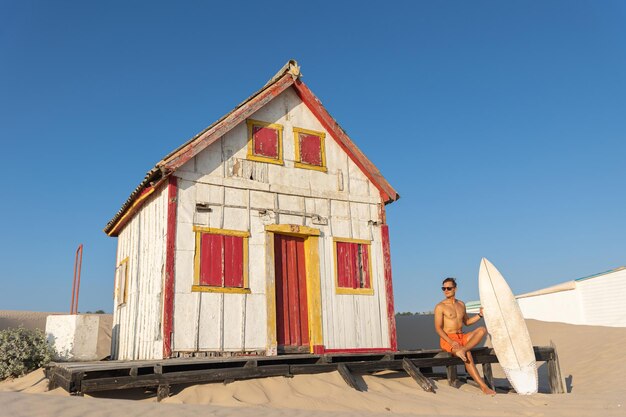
point(221, 176)
point(137, 332)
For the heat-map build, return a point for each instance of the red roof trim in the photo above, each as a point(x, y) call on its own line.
point(205, 139)
point(387, 192)
point(285, 78)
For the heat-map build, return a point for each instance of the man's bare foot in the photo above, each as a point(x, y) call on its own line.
point(461, 354)
point(488, 391)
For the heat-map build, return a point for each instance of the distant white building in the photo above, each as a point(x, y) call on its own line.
point(596, 300)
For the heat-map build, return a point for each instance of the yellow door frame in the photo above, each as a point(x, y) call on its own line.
point(313, 287)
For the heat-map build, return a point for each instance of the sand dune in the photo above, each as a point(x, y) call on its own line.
point(587, 354)
point(28, 319)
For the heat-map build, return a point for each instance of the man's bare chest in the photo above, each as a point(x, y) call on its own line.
point(453, 312)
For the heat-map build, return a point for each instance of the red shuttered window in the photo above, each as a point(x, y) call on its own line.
point(221, 260)
point(353, 266)
point(310, 151)
point(265, 142)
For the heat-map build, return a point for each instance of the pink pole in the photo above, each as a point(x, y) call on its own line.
point(78, 263)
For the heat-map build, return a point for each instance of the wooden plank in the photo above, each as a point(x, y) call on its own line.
point(543, 353)
point(557, 385)
point(415, 373)
point(233, 261)
point(265, 141)
point(163, 391)
point(348, 377)
point(94, 376)
point(488, 375)
point(303, 313)
point(391, 318)
point(170, 256)
point(293, 313)
point(184, 377)
point(452, 376)
point(282, 298)
point(312, 368)
point(211, 259)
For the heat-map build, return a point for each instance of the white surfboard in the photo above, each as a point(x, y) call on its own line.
point(506, 325)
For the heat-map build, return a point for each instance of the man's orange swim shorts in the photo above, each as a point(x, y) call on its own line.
point(457, 337)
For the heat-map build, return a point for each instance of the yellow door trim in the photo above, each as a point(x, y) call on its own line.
point(313, 282)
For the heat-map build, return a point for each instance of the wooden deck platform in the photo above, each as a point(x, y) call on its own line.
point(82, 377)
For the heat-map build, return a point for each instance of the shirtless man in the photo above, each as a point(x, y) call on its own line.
point(450, 316)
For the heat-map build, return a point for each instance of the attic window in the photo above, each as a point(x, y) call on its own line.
point(309, 145)
point(265, 142)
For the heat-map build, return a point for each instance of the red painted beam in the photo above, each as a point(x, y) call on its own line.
point(223, 126)
point(170, 257)
point(369, 169)
point(391, 318)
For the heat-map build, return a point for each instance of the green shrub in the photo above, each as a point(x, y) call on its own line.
point(22, 351)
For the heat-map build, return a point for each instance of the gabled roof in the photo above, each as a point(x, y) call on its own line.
point(288, 76)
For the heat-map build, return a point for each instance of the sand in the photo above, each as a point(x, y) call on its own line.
point(591, 362)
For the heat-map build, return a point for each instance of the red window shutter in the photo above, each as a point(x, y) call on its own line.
point(354, 265)
point(233, 261)
point(211, 260)
point(310, 149)
point(365, 257)
point(343, 265)
point(265, 141)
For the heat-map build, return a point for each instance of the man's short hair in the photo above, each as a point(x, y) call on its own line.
point(450, 279)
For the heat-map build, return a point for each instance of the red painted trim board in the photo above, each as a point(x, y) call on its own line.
point(391, 318)
point(315, 106)
point(170, 256)
point(222, 127)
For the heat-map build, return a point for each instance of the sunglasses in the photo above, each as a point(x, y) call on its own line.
point(447, 288)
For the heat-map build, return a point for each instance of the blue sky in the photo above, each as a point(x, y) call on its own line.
point(501, 124)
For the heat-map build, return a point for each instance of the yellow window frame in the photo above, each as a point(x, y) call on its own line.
point(353, 291)
point(298, 161)
point(122, 295)
point(196, 287)
point(251, 156)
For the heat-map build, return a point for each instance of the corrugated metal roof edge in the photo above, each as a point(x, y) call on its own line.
point(567, 285)
point(600, 274)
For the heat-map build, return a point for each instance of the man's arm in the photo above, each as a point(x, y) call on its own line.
point(439, 327)
point(469, 321)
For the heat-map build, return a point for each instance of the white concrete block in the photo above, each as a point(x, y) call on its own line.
point(74, 337)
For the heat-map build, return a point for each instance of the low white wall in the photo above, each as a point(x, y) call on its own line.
point(74, 337)
point(562, 306)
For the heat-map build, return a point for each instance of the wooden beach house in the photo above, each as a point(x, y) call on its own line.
point(263, 234)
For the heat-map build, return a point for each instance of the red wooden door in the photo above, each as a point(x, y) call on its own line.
point(292, 323)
